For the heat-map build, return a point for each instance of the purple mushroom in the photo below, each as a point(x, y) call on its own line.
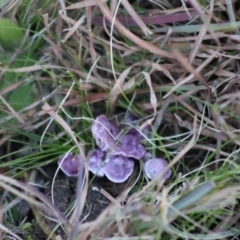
point(147, 156)
point(105, 133)
point(96, 162)
point(135, 132)
point(141, 133)
point(132, 119)
point(155, 166)
point(107, 138)
point(70, 165)
point(129, 146)
point(118, 168)
point(113, 159)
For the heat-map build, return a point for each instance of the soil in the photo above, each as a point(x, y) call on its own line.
point(64, 195)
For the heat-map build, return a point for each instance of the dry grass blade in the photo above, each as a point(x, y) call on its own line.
point(190, 78)
point(113, 6)
point(91, 44)
point(14, 113)
point(5, 5)
point(46, 23)
point(11, 185)
point(190, 199)
point(31, 68)
point(11, 88)
point(110, 198)
point(158, 67)
point(42, 223)
point(117, 88)
point(153, 100)
point(83, 4)
point(48, 109)
point(231, 14)
point(203, 31)
point(160, 114)
point(74, 28)
point(145, 45)
point(152, 19)
point(49, 66)
point(103, 221)
point(185, 63)
point(82, 179)
point(6, 230)
point(136, 18)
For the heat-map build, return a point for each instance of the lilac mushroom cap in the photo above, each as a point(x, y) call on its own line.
point(129, 146)
point(131, 119)
point(70, 164)
point(96, 162)
point(135, 133)
point(147, 156)
point(155, 166)
point(118, 168)
point(104, 132)
point(141, 133)
point(147, 131)
point(106, 135)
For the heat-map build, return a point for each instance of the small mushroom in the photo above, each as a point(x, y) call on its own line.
point(155, 166)
point(118, 168)
point(70, 165)
point(106, 135)
point(104, 132)
point(96, 162)
point(131, 119)
point(136, 133)
point(129, 146)
point(141, 133)
point(147, 156)
point(147, 131)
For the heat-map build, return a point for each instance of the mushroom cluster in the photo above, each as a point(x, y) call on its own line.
point(115, 155)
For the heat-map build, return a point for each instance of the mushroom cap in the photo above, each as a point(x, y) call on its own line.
point(147, 156)
point(129, 146)
point(70, 164)
point(118, 168)
point(107, 138)
point(96, 162)
point(147, 131)
point(155, 166)
point(141, 133)
point(130, 118)
point(136, 133)
point(104, 132)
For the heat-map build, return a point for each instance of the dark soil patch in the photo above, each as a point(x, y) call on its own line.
point(64, 194)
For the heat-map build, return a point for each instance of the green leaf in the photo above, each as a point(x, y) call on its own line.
point(216, 27)
point(26, 225)
point(192, 197)
point(10, 34)
point(21, 97)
